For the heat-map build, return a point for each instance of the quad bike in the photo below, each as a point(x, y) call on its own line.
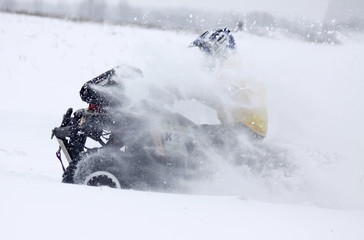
point(134, 151)
point(156, 150)
point(145, 146)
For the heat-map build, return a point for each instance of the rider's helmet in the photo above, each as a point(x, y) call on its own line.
point(218, 42)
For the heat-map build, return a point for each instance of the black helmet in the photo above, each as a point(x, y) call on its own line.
point(215, 42)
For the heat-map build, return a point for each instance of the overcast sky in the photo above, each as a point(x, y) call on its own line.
point(312, 9)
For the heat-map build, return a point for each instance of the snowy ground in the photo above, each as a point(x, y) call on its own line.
point(316, 114)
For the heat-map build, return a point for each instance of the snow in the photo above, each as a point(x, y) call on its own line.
point(109, 214)
point(315, 109)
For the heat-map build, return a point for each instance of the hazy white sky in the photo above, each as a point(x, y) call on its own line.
point(313, 9)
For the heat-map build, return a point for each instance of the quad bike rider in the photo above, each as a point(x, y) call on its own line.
point(246, 104)
point(146, 148)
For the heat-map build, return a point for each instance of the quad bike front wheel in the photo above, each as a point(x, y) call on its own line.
point(106, 167)
point(102, 178)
